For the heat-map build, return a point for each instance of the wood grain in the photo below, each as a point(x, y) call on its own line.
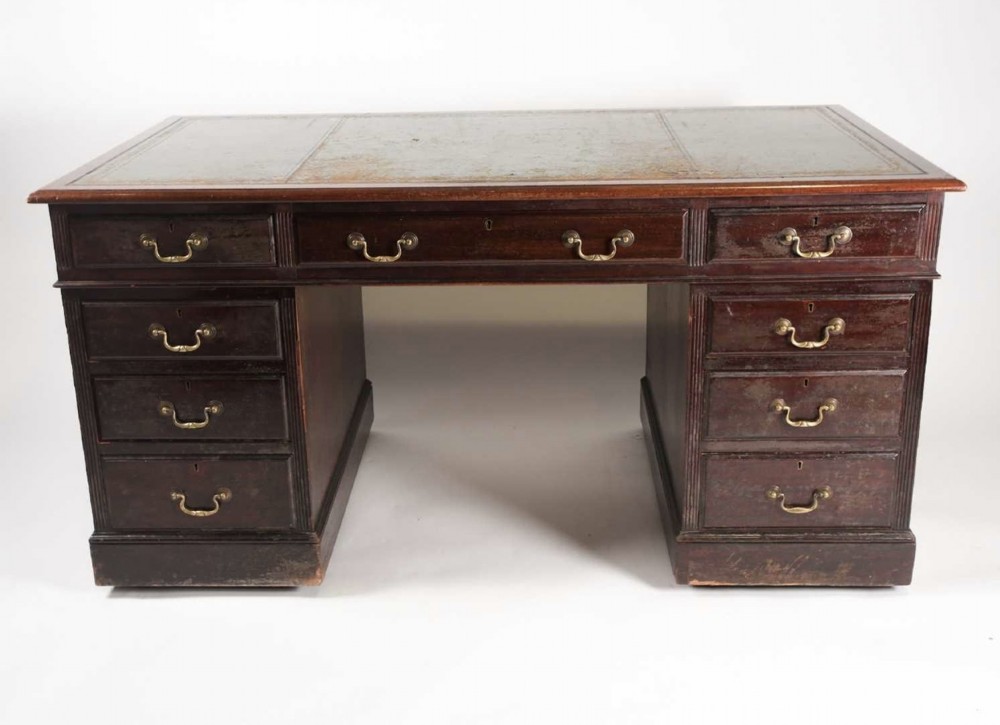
point(139, 493)
point(253, 408)
point(511, 236)
point(246, 329)
point(114, 241)
point(707, 193)
point(868, 405)
point(878, 231)
point(861, 488)
point(872, 324)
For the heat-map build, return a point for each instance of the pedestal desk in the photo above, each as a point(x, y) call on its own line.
point(211, 274)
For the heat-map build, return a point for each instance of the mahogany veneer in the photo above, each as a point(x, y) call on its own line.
point(211, 269)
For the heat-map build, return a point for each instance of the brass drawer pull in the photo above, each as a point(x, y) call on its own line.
point(167, 410)
point(194, 243)
point(356, 241)
point(571, 238)
point(205, 331)
point(841, 235)
point(222, 495)
point(833, 327)
point(820, 494)
point(829, 405)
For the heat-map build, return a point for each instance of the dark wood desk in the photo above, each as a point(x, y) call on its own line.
point(211, 271)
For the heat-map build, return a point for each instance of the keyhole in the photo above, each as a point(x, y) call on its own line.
point(815, 221)
point(799, 465)
point(810, 307)
point(195, 467)
point(805, 383)
point(488, 225)
point(178, 312)
point(187, 386)
point(170, 227)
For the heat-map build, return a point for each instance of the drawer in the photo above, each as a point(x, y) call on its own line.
point(846, 490)
point(508, 237)
point(784, 406)
point(810, 325)
point(171, 242)
point(181, 330)
point(760, 234)
point(190, 408)
point(198, 493)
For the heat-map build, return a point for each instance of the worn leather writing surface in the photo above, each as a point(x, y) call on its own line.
point(791, 146)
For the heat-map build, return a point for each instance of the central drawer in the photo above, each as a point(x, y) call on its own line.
point(810, 405)
point(326, 238)
point(190, 408)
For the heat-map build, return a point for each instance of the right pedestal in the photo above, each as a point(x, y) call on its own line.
point(782, 422)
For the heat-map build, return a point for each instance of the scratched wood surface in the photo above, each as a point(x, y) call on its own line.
point(795, 147)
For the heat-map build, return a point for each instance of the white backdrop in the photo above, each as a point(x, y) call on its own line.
point(543, 595)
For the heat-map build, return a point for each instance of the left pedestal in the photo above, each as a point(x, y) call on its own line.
point(222, 429)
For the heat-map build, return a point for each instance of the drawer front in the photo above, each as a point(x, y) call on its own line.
point(171, 242)
point(810, 325)
point(525, 237)
point(761, 405)
point(759, 234)
point(846, 490)
point(163, 330)
point(190, 408)
point(202, 494)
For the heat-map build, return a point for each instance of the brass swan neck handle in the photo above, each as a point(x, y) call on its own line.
point(357, 242)
point(820, 494)
point(828, 406)
point(834, 326)
point(193, 243)
point(790, 236)
point(221, 496)
point(571, 238)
